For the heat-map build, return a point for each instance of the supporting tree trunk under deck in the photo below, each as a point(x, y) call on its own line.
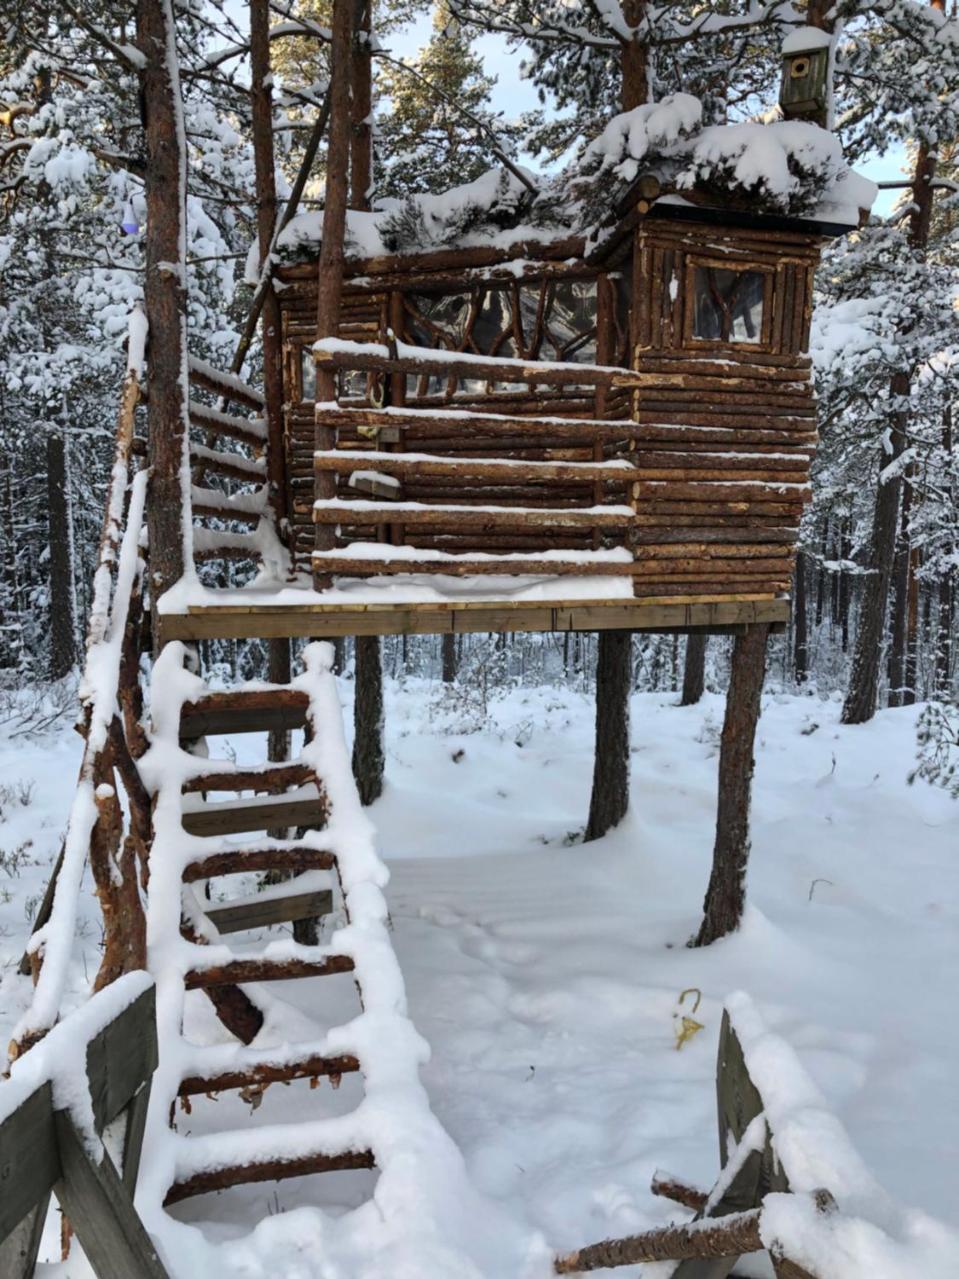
point(368, 755)
point(694, 668)
point(610, 795)
point(726, 894)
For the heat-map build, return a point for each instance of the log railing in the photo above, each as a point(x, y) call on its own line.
point(445, 487)
point(99, 829)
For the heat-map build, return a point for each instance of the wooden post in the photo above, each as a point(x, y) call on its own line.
point(264, 167)
point(614, 671)
point(726, 895)
point(694, 668)
point(330, 286)
point(361, 133)
point(800, 623)
point(164, 293)
point(368, 753)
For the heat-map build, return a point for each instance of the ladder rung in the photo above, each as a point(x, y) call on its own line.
point(249, 1075)
point(271, 778)
point(201, 1183)
point(238, 861)
point(235, 971)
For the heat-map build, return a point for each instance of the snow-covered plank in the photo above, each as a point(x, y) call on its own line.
point(419, 514)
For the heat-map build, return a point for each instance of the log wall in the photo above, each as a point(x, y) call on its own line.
point(720, 435)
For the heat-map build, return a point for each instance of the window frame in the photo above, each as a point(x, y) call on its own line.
point(767, 271)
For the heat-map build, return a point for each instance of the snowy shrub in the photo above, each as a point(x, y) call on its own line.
point(937, 741)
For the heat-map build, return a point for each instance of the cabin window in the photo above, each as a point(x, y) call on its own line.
point(307, 374)
point(352, 383)
point(530, 320)
point(728, 305)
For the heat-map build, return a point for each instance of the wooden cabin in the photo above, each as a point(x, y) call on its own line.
point(543, 431)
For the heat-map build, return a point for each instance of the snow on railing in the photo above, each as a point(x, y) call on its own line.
point(95, 801)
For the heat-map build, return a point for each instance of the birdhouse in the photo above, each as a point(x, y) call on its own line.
point(805, 73)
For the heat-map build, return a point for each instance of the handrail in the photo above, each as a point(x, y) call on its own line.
point(95, 823)
point(400, 357)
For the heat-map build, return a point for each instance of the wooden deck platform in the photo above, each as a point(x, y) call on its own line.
point(327, 621)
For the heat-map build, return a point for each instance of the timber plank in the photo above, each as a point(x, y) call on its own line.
point(263, 911)
point(29, 1158)
point(237, 971)
point(232, 819)
point(113, 1237)
point(122, 1057)
point(653, 612)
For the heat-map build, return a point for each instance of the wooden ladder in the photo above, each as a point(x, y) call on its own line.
point(195, 841)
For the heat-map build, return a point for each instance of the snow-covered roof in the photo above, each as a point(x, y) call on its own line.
point(786, 168)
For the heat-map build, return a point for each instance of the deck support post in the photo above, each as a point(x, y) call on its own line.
point(614, 677)
point(694, 668)
point(368, 754)
point(726, 894)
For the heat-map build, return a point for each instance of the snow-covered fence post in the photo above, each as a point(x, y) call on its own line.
point(50, 1135)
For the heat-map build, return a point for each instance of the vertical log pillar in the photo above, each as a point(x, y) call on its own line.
point(726, 894)
point(164, 294)
point(278, 650)
point(330, 283)
point(368, 753)
point(614, 671)
point(800, 624)
point(694, 668)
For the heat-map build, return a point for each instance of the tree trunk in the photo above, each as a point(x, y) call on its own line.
point(610, 796)
point(860, 704)
point(448, 651)
point(63, 652)
point(361, 133)
point(368, 757)
point(726, 894)
point(634, 61)
point(164, 294)
point(900, 609)
point(330, 281)
point(694, 668)
point(800, 629)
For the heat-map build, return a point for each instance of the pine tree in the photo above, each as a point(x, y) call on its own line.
point(427, 140)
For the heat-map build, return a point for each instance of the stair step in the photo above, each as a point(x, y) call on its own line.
point(248, 1068)
point(265, 812)
point(277, 1169)
point(244, 711)
point(418, 515)
point(259, 968)
point(233, 465)
point(262, 910)
point(214, 544)
point(237, 861)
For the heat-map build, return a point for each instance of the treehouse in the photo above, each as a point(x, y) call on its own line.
point(588, 410)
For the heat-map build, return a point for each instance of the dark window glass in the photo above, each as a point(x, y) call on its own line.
point(728, 305)
point(352, 383)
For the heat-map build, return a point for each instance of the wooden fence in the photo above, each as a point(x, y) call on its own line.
point(43, 1151)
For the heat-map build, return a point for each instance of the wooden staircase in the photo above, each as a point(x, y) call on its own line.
point(195, 842)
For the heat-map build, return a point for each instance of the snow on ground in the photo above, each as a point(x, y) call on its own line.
point(546, 973)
